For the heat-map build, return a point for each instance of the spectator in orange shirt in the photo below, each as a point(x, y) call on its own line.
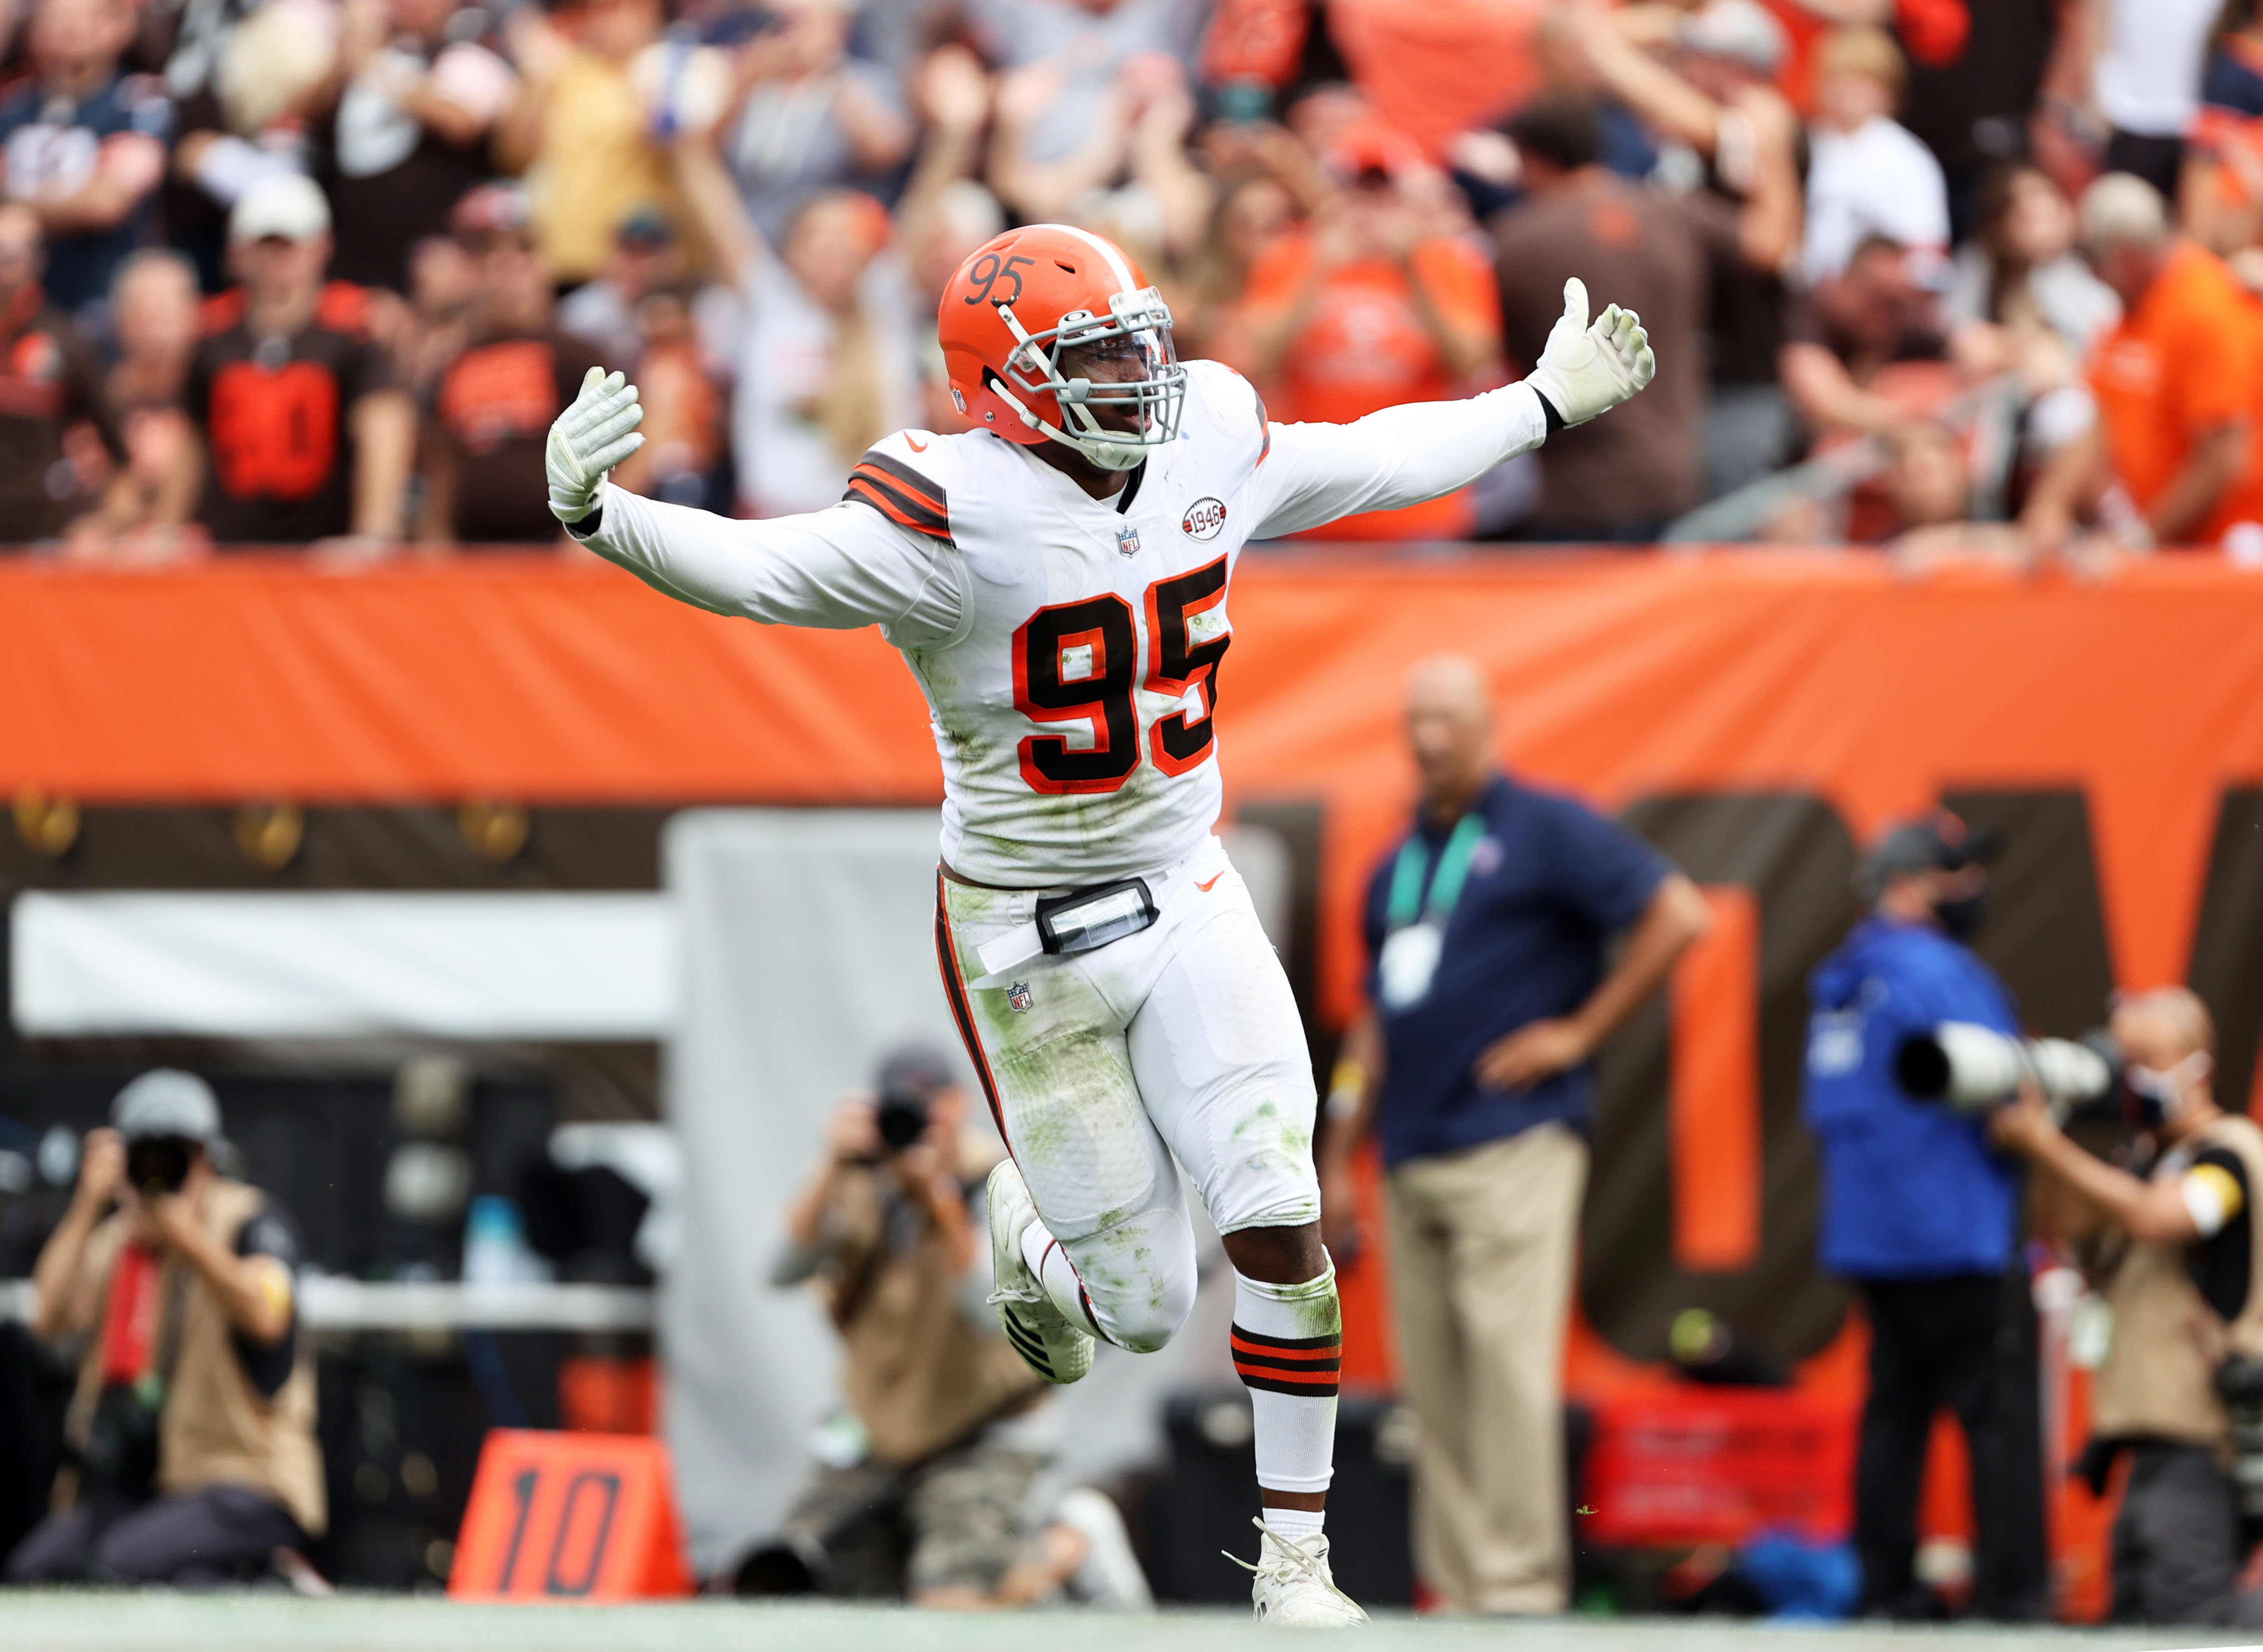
point(1380, 302)
point(2171, 458)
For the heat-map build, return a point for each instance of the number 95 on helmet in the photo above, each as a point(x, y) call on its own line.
point(1051, 334)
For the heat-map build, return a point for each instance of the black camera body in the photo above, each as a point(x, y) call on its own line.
point(156, 1166)
point(902, 1118)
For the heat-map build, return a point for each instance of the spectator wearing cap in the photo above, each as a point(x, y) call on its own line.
point(305, 437)
point(193, 1418)
point(1921, 1214)
point(2172, 457)
point(1487, 928)
point(826, 361)
point(83, 144)
point(1383, 299)
point(646, 318)
point(1868, 176)
point(408, 134)
point(647, 258)
point(49, 381)
point(1713, 99)
point(494, 405)
point(1655, 254)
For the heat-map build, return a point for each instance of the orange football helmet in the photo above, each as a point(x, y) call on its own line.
point(1024, 299)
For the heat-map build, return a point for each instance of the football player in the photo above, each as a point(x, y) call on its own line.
point(1057, 579)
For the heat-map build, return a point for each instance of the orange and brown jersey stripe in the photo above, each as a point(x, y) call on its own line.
point(901, 494)
point(1309, 1366)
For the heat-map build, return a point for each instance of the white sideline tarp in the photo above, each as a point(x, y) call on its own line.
point(808, 950)
point(316, 964)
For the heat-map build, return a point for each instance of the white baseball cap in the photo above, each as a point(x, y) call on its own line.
point(167, 1101)
point(1742, 30)
point(287, 207)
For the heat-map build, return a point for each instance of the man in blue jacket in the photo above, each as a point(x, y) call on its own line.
point(1922, 1215)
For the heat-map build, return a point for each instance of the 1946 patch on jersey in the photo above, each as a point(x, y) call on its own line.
point(1204, 518)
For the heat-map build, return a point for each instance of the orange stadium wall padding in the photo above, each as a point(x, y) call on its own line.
point(1757, 714)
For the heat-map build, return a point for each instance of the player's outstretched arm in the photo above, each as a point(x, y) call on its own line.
point(838, 568)
point(1404, 455)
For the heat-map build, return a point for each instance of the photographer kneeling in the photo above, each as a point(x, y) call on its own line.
point(926, 1475)
point(2183, 1297)
point(193, 1422)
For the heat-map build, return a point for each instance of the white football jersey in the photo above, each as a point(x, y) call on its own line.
point(1070, 648)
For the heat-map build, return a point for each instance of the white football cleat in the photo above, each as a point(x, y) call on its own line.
point(1291, 1587)
point(1049, 1343)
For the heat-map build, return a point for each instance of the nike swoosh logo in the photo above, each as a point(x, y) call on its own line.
point(1214, 877)
point(915, 444)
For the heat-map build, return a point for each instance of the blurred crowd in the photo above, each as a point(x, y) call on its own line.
point(1941, 275)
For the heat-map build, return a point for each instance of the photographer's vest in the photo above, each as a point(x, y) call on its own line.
point(920, 1376)
point(2158, 1380)
point(216, 1428)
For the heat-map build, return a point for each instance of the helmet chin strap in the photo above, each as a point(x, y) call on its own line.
point(1103, 447)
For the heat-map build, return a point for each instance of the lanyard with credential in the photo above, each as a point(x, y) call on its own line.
point(1407, 903)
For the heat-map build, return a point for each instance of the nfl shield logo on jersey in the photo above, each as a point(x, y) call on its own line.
point(1017, 995)
point(1127, 541)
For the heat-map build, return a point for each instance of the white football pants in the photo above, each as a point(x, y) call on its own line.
point(1180, 1042)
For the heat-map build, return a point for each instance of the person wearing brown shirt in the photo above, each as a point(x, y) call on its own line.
point(1619, 481)
point(482, 448)
point(48, 385)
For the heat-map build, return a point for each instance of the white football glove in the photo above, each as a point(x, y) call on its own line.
point(1584, 369)
point(596, 433)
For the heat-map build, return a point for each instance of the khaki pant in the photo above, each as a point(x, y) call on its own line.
point(1481, 1254)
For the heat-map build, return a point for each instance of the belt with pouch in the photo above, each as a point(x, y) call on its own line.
point(1081, 920)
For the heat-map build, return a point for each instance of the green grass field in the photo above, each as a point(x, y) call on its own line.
point(74, 1621)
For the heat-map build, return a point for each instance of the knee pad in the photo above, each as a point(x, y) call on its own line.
point(1138, 1274)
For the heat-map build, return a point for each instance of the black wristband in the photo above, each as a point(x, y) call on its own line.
point(589, 525)
point(1548, 414)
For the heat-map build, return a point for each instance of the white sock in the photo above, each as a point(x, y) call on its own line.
point(1288, 1349)
point(1051, 1263)
point(1297, 1524)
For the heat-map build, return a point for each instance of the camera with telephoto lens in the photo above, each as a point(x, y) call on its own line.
point(2240, 1384)
point(1970, 1069)
point(156, 1166)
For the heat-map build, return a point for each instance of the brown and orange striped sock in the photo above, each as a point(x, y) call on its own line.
point(1288, 1348)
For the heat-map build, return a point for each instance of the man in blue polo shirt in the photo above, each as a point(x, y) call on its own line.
point(1487, 928)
